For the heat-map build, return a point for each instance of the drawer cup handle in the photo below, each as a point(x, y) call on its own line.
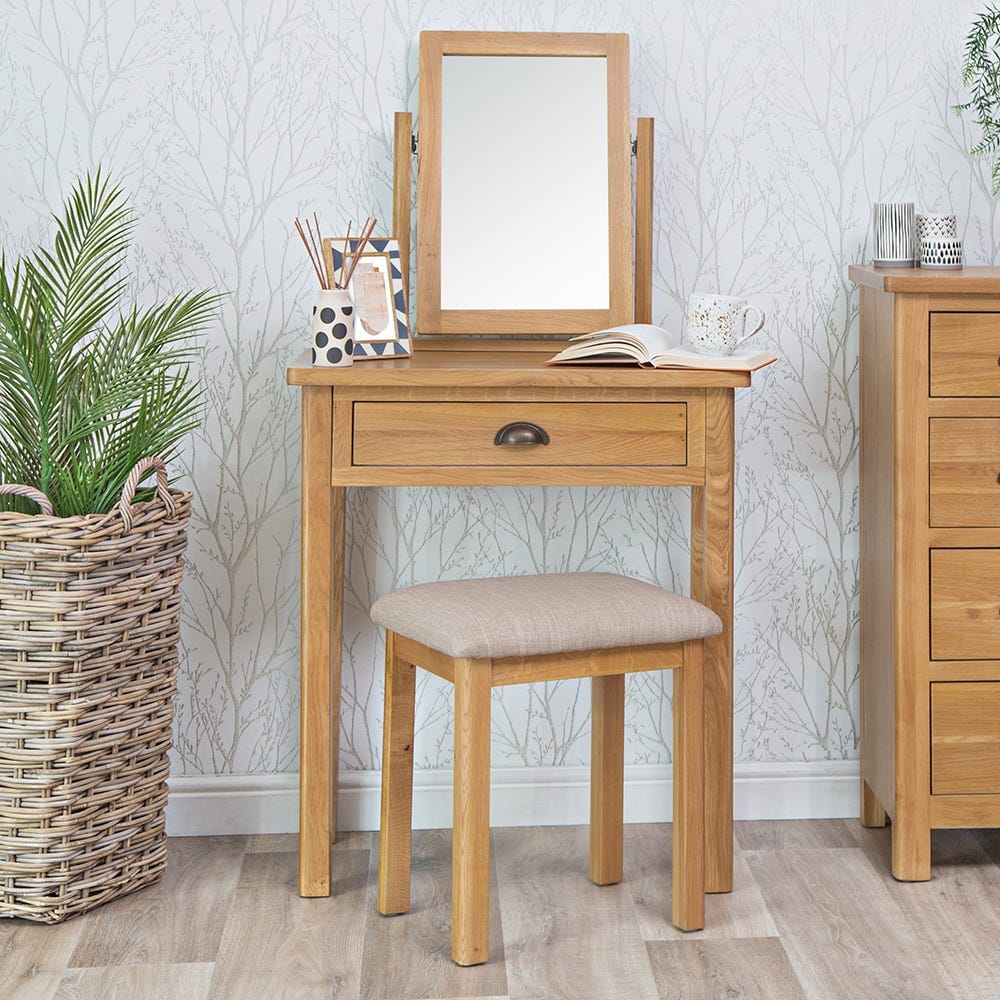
point(521, 432)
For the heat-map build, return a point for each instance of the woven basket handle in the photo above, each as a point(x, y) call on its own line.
point(142, 468)
point(44, 503)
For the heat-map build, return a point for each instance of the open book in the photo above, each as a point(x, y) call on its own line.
point(652, 347)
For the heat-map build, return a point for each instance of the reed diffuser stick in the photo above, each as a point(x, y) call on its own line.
point(330, 283)
point(366, 233)
point(343, 256)
point(314, 260)
point(317, 248)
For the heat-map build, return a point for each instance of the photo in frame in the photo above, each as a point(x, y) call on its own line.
point(376, 289)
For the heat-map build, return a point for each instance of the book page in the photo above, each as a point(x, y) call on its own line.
point(653, 347)
point(653, 339)
point(682, 357)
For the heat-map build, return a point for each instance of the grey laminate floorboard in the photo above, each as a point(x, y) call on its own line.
point(843, 931)
point(741, 913)
point(788, 834)
point(148, 927)
point(815, 914)
point(34, 956)
point(175, 981)
point(408, 956)
point(278, 946)
point(958, 910)
point(749, 968)
point(565, 937)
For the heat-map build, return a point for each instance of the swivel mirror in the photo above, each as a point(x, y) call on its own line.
point(524, 189)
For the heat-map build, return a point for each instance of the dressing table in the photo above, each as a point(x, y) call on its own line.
point(476, 411)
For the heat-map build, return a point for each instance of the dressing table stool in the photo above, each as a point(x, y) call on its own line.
point(480, 634)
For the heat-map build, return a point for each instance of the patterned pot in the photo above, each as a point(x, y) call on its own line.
point(333, 329)
point(935, 226)
point(943, 252)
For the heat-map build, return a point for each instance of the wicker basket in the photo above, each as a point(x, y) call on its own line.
point(88, 656)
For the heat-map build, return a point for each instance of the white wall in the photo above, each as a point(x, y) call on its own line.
point(778, 124)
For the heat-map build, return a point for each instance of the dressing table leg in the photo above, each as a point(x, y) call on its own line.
point(712, 583)
point(322, 595)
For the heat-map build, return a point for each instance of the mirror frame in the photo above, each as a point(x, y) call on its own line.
point(431, 318)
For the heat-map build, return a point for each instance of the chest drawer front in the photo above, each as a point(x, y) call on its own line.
point(965, 738)
point(965, 354)
point(463, 433)
point(965, 472)
point(965, 604)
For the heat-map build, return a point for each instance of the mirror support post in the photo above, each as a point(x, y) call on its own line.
point(402, 197)
point(643, 309)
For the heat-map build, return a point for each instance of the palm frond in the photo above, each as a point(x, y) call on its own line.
point(87, 390)
point(83, 275)
point(981, 76)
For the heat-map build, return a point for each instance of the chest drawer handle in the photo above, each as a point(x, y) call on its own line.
point(521, 432)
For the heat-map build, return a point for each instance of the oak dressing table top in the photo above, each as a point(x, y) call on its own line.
point(504, 368)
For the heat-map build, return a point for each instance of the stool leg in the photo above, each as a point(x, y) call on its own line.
point(397, 783)
point(688, 872)
point(470, 863)
point(607, 769)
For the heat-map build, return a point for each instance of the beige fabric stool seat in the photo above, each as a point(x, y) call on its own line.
point(480, 634)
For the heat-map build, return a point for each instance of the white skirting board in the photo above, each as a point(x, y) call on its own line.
point(536, 796)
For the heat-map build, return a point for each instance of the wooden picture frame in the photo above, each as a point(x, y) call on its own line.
point(381, 329)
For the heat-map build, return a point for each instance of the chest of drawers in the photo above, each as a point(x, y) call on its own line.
point(930, 555)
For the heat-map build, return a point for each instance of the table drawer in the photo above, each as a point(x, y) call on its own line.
point(965, 354)
point(965, 604)
point(965, 738)
point(445, 434)
point(965, 472)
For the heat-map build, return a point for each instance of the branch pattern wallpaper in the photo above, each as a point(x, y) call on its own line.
point(778, 123)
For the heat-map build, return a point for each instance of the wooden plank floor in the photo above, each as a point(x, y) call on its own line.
point(815, 914)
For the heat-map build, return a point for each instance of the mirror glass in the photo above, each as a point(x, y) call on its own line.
point(524, 182)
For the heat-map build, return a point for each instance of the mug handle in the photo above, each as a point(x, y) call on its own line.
point(756, 329)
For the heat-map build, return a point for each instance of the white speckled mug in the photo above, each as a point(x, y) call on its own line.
point(717, 324)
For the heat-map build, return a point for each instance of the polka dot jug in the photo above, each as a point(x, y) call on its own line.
point(333, 329)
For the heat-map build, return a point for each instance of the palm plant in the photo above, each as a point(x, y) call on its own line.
point(981, 74)
point(88, 388)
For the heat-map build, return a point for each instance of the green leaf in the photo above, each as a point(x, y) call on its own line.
point(87, 387)
point(981, 76)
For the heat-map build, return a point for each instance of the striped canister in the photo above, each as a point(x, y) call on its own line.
point(894, 230)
